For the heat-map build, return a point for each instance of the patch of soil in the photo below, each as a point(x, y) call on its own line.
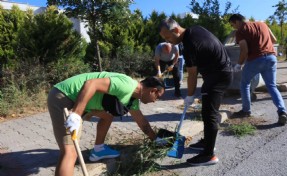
point(250, 120)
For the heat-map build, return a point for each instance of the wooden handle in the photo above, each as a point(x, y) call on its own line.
point(76, 144)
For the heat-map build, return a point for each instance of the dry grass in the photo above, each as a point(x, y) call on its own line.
point(22, 104)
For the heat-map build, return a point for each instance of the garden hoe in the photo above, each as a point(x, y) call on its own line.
point(178, 146)
point(76, 144)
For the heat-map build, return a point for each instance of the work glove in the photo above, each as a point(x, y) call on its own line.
point(170, 68)
point(188, 100)
point(160, 141)
point(159, 74)
point(237, 68)
point(73, 122)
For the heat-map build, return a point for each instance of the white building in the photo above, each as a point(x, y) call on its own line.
point(77, 24)
point(183, 15)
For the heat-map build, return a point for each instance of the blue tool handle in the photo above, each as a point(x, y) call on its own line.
point(181, 120)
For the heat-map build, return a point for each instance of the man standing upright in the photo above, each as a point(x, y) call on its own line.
point(205, 54)
point(258, 56)
point(167, 54)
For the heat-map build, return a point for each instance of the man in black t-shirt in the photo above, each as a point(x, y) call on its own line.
point(204, 54)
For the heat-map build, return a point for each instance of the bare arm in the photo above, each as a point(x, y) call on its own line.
point(88, 90)
point(175, 60)
point(191, 80)
point(157, 66)
point(243, 52)
point(143, 124)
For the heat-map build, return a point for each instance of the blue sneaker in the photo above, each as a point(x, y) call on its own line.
point(107, 152)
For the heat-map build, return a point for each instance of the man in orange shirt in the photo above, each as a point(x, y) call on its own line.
point(258, 56)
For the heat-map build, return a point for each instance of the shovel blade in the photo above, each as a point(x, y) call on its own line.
point(178, 148)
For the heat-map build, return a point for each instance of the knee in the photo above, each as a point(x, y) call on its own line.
point(211, 125)
point(69, 152)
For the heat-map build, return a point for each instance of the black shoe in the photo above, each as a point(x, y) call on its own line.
point(202, 160)
point(241, 114)
point(282, 118)
point(198, 146)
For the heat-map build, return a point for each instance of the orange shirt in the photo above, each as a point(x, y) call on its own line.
point(257, 37)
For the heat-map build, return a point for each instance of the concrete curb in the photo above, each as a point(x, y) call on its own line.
point(189, 128)
point(282, 87)
point(192, 128)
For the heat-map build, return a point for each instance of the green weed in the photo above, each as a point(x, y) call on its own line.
point(241, 130)
point(140, 159)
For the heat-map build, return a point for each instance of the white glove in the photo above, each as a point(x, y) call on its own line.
point(73, 122)
point(170, 68)
point(188, 100)
point(159, 74)
point(237, 68)
point(160, 142)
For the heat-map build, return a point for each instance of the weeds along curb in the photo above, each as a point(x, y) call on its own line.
point(112, 166)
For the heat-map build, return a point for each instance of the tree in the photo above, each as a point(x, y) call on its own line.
point(210, 16)
point(96, 13)
point(280, 15)
point(47, 49)
point(10, 23)
point(48, 37)
point(151, 29)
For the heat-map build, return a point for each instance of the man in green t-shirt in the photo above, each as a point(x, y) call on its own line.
point(101, 94)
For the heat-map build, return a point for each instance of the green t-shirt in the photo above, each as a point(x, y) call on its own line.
point(121, 86)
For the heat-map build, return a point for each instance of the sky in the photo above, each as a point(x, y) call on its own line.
point(258, 9)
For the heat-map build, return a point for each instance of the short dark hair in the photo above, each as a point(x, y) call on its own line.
point(236, 17)
point(153, 82)
point(169, 23)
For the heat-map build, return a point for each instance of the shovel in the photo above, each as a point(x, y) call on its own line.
point(77, 146)
point(178, 146)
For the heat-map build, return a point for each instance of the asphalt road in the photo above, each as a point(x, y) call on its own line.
point(263, 154)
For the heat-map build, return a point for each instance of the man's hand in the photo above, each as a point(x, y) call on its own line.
point(73, 122)
point(159, 74)
point(170, 68)
point(188, 100)
point(237, 68)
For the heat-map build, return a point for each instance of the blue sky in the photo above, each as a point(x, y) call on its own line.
point(259, 9)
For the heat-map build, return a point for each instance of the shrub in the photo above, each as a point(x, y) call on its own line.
point(65, 68)
point(134, 64)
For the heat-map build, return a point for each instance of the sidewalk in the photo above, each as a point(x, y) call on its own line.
point(28, 147)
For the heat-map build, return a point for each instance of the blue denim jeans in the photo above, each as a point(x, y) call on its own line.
point(266, 66)
point(254, 82)
point(180, 67)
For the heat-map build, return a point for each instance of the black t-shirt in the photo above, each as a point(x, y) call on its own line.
point(204, 50)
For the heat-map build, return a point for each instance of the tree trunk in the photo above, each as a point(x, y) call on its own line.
point(98, 55)
point(281, 26)
point(96, 47)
